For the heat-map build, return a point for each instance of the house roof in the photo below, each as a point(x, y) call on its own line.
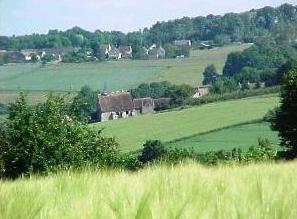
point(143, 102)
point(114, 52)
point(116, 102)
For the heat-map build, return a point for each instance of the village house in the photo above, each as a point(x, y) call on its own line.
point(30, 53)
point(114, 53)
point(183, 43)
point(204, 45)
point(126, 51)
point(144, 105)
point(104, 50)
point(201, 91)
point(12, 56)
point(156, 52)
point(115, 105)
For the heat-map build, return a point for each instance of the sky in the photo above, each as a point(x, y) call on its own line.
point(21, 17)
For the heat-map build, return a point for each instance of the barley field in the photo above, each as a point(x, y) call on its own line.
point(185, 191)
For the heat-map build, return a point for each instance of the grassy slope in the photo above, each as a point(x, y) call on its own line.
point(133, 132)
point(186, 191)
point(242, 136)
point(117, 74)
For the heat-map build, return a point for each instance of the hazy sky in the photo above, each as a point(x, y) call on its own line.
point(27, 16)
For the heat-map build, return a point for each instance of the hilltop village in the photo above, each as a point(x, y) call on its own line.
point(102, 52)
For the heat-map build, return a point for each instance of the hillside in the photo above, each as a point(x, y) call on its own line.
point(113, 75)
point(133, 132)
point(186, 191)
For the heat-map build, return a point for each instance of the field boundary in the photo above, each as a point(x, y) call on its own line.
point(215, 130)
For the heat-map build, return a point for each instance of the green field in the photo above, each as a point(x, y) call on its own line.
point(133, 132)
point(185, 191)
point(240, 136)
point(113, 75)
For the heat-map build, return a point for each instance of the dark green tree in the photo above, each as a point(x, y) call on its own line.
point(85, 105)
point(152, 150)
point(285, 119)
point(210, 75)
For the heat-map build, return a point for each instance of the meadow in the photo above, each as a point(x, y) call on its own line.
point(239, 136)
point(133, 132)
point(112, 75)
point(184, 191)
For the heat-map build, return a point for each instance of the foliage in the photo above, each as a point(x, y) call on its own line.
point(284, 69)
point(152, 150)
point(224, 85)
point(84, 105)
point(45, 138)
point(210, 75)
point(285, 119)
point(156, 90)
point(260, 62)
point(173, 51)
point(279, 23)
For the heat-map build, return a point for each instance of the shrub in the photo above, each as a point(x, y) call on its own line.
point(152, 150)
point(45, 138)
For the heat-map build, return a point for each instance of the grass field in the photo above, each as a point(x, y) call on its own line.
point(187, 191)
point(240, 136)
point(133, 132)
point(115, 75)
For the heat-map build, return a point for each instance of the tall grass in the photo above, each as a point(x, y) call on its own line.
point(184, 191)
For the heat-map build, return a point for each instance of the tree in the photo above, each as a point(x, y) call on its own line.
point(46, 138)
point(84, 105)
point(210, 75)
point(285, 119)
point(152, 150)
point(284, 69)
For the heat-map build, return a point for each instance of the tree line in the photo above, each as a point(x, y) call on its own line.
point(279, 23)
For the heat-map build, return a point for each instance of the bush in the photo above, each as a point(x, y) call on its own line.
point(152, 150)
point(45, 138)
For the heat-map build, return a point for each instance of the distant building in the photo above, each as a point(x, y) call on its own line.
point(204, 45)
point(144, 105)
point(127, 51)
point(156, 53)
point(114, 53)
point(12, 56)
point(104, 50)
point(201, 91)
point(183, 43)
point(30, 53)
point(114, 106)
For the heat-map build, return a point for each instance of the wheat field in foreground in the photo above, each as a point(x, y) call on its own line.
point(184, 191)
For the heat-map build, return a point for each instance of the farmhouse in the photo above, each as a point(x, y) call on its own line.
point(144, 105)
point(114, 53)
point(156, 53)
point(183, 43)
point(12, 56)
point(104, 49)
point(114, 106)
point(126, 51)
point(201, 91)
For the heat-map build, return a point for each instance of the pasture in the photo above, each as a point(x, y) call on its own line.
point(185, 191)
point(239, 136)
point(112, 75)
point(133, 132)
